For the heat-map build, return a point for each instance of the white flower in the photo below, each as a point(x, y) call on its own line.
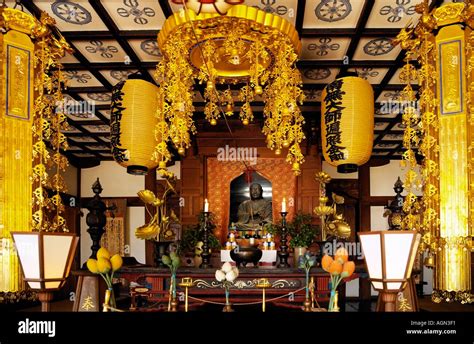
point(236, 271)
point(231, 276)
point(226, 267)
point(220, 275)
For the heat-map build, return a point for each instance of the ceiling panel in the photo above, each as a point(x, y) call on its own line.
point(115, 76)
point(324, 48)
point(97, 50)
point(75, 15)
point(323, 14)
point(378, 48)
point(135, 14)
point(97, 98)
point(319, 75)
point(372, 75)
point(393, 13)
point(146, 49)
point(81, 78)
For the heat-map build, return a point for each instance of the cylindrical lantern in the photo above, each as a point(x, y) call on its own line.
point(132, 123)
point(347, 123)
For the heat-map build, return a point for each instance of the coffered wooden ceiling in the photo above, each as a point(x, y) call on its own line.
point(113, 38)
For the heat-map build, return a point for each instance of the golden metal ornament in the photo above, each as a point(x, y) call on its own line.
point(245, 46)
point(444, 137)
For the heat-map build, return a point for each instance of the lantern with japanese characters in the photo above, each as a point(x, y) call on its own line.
point(132, 122)
point(347, 123)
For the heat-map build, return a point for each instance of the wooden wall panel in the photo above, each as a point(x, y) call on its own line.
point(307, 187)
point(192, 188)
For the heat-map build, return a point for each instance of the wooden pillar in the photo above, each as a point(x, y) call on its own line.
point(307, 190)
point(192, 188)
point(364, 226)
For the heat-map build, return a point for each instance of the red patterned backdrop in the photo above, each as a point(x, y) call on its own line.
point(221, 173)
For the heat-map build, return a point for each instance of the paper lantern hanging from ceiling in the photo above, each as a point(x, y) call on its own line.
point(208, 6)
point(347, 123)
point(132, 122)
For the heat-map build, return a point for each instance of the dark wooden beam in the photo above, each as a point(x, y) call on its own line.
point(109, 22)
point(365, 14)
point(300, 16)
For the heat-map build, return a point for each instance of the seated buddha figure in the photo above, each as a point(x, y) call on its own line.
point(254, 212)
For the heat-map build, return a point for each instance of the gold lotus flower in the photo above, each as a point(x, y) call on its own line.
point(147, 231)
point(322, 177)
point(147, 196)
point(323, 210)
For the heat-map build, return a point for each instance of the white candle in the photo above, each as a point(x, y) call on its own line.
point(283, 205)
point(206, 206)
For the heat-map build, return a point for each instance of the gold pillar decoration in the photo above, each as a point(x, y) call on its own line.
point(29, 93)
point(443, 131)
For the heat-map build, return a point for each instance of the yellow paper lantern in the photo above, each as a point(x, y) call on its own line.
point(347, 123)
point(208, 6)
point(132, 123)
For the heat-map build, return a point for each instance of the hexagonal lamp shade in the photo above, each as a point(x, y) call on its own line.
point(46, 259)
point(389, 256)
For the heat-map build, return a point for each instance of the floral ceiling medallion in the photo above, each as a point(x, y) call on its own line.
point(333, 10)
point(71, 12)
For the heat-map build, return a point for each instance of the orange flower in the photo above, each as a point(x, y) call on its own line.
point(326, 262)
point(335, 268)
point(348, 269)
point(341, 255)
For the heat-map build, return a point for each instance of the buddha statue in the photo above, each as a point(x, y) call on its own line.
point(255, 212)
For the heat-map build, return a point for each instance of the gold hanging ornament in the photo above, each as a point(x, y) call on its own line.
point(245, 46)
point(442, 132)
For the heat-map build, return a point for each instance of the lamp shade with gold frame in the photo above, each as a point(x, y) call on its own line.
point(46, 259)
point(389, 256)
point(132, 123)
point(347, 123)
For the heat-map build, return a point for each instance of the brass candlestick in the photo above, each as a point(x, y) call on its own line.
point(263, 283)
point(186, 282)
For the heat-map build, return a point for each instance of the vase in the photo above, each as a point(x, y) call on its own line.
point(298, 252)
point(109, 301)
point(228, 306)
point(333, 306)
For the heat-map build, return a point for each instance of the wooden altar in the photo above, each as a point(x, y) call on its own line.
point(154, 285)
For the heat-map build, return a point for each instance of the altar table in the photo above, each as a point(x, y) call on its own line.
point(154, 284)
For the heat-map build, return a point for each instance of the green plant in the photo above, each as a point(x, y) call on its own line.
point(194, 234)
point(302, 231)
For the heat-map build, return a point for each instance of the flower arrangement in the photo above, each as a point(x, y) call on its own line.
point(339, 268)
point(173, 262)
point(227, 275)
point(306, 262)
point(105, 265)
